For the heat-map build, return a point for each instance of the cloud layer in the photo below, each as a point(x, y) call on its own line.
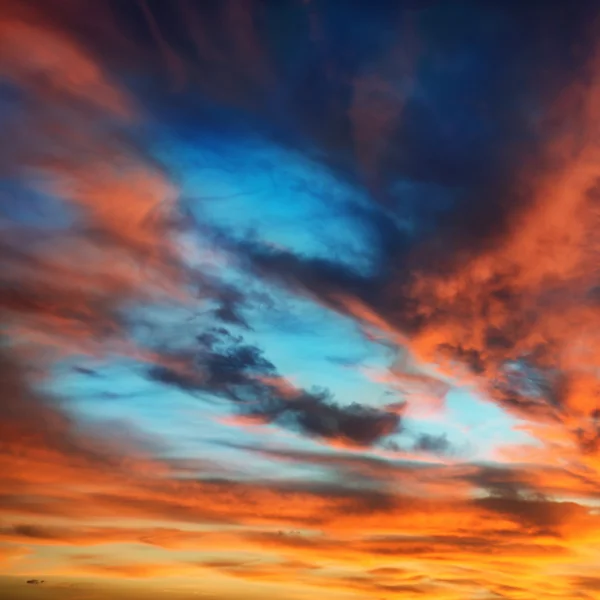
point(299, 300)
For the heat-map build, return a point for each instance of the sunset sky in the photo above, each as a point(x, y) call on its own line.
point(299, 299)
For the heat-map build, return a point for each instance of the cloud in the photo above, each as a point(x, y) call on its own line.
point(12, 552)
point(225, 366)
point(436, 444)
point(66, 283)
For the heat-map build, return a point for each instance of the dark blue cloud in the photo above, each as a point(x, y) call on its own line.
point(225, 366)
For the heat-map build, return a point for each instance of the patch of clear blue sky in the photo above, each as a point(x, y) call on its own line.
point(253, 188)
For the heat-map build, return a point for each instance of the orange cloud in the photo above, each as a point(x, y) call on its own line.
point(66, 288)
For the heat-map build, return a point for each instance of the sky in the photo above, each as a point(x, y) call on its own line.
point(299, 298)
